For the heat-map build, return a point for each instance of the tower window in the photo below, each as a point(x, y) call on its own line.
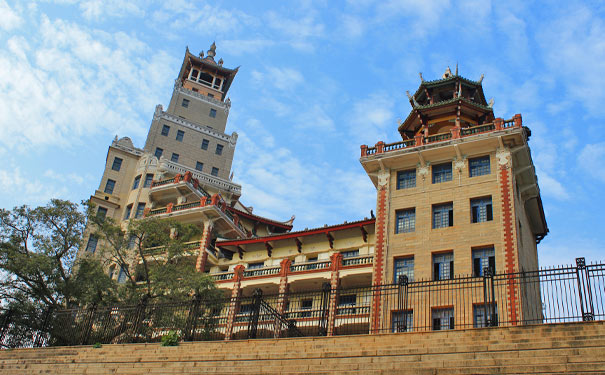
point(158, 152)
point(179, 135)
point(405, 220)
point(199, 166)
point(442, 173)
point(185, 103)
point(148, 180)
point(481, 210)
point(205, 143)
point(219, 149)
point(140, 210)
point(443, 266)
point(483, 258)
point(217, 83)
point(174, 157)
point(406, 179)
point(137, 181)
point(443, 215)
point(212, 112)
point(403, 267)
point(109, 186)
point(165, 130)
point(127, 212)
point(194, 74)
point(478, 166)
point(91, 246)
point(214, 171)
point(206, 78)
point(117, 164)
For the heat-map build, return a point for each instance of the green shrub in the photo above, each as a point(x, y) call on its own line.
point(170, 339)
point(97, 345)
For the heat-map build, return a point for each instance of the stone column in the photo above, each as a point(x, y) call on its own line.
point(202, 257)
point(380, 248)
point(236, 294)
point(283, 293)
point(336, 259)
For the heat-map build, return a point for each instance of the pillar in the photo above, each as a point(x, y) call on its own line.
point(202, 257)
point(336, 259)
point(283, 293)
point(236, 294)
point(380, 250)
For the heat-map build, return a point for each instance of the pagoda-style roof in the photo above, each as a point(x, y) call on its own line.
point(207, 63)
point(451, 98)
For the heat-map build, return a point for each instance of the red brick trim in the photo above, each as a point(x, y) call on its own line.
point(379, 249)
point(509, 247)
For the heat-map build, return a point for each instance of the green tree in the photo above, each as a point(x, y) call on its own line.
point(38, 264)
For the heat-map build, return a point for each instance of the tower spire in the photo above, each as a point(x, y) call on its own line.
point(212, 51)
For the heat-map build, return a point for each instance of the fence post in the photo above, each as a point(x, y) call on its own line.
point(89, 323)
point(191, 324)
point(253, 322)
point(488, 297)
point(44, 328)
point(584, 290)
point(325, 300)
point(402, 302)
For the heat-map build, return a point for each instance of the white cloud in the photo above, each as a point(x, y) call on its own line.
point(9, 19)
point(14, 186)
point(592, 159)
point(282, 78)
point(99, 9)
point(551, 187)
point(238, 47)
point(371, 116)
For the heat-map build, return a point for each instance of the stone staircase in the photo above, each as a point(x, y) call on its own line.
point(577, 348)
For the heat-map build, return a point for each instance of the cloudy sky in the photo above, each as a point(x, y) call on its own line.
point(316, 81)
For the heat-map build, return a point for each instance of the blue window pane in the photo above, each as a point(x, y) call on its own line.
point(402, 321)
point(485, 315)
point(405, 221)
point(212, 112)
point(404, 267)
point(482, 259)
point(137, 181)
point(443, 215)
point(185, 103)
point(165, 130)
point(91, 246)
point(214, 171)
point(205, 143)
point(158, 152)
point(199, 166)
point(122, 276)
point(179, 135)
point(140, 210)
point(101, 213)
point(443, 319)
point(350, 254)
point(174, 157)
point(109, 186)
point(252, 266)
point(479, 166)
point(443, 266)
point(481, 210)
point(117, 164)
point(148, 180)
point(406, 179)
point(219, 149)
point(127, 212)
point(442, 173)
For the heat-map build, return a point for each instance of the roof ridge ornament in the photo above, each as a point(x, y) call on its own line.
point(448, 73)
point(491, 103)
point(413, 101)
point(481, 78)
point(456, 68)
point(421, 78)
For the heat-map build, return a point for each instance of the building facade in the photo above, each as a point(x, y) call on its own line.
point(456, 198)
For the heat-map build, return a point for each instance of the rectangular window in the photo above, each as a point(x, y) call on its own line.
point(217, 83)
point(443, 319)
point(443, 215)
point(174, 157)
point(158, 152)
point(205, 143)
point(122, 276)
point(485, 315)
point(219, 149)
point(101, 213)
point(165, 130)
point(127, 212)
point(347, 300)
point(109, 186)
point(210, 95)
point(199, 166)
point(252, 266)
point(443, 266)
point(406, 179)
point(404, 267)
point(137, 181)
point(148, 180)
point(350, 254)
point(117, 164)
point(214, 171)
point(179, 135)
point(306, 304)
point(481, 210)
point(478, 166)
point(405, 220)
point(402, 321)
point(483, 259)
point(132, 241)
point(140, 210)
point(442, 173)
point(212, 112)
point(185, 103)
point(91, 246)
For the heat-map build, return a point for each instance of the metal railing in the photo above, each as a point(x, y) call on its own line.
point(551, 295)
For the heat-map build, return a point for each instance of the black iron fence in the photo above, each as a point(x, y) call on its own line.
point(550, 295)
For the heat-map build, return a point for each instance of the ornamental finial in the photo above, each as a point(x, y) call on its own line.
point(421, 79)
point(448, 73)
point(456, 67)
point(212, 51)
point(481, 79)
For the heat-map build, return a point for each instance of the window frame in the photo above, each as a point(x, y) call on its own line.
point(180, 134)
point(443, 266)
point(185, 103)
point(403, 216)
point(212, 113)
point(148, 180)
point(219, 149)
point(102, 212)
point(350, 254)
point(160, 151)
point(200, 165)
point(441, 172)
point(438, 222)
point(91, 245)
point(404, 269)
point(205, 144)
point(482, 256)
point(140, 212)
point(127, 212)
point(174, 157)
point(482, 209)
point(483, 167)
point(406, 316)
point(110, 186)
point(448, 315)
point(117, 164)
point(136, 182)
point(165, 130)
point(214, 172)
point(406, 179)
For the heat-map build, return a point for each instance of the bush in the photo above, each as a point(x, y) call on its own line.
point(170, 339)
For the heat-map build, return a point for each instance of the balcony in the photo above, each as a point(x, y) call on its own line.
point(188, 247)
point(311, 266)
point(179, 185)
point(201, 177)
point(262, 271)
point(455, 133)
point(223, 276)
point(357, 261)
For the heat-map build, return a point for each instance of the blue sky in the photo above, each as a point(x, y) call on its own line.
point(317, 80)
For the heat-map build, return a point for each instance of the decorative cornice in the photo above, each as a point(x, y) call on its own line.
point(191, 125)
point(203, 178)
point(226, 105)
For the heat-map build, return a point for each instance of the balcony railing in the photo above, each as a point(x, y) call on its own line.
point(222, 276)
point(419, 140)
point(262, 271)
point(357, 260)
point(308, 266)
point(172, 180)
point(352, 310)
point(187, 246)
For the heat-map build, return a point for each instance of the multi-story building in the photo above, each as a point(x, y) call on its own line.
point(457, 197)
